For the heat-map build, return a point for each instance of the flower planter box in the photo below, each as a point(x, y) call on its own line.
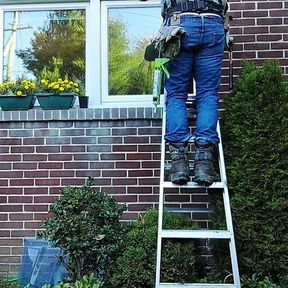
point(13, 102)
point(51, 101)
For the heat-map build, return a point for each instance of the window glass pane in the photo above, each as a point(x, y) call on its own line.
point(130, 30)
point(34, 40)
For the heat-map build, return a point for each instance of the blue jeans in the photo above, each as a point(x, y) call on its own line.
point(200, 58)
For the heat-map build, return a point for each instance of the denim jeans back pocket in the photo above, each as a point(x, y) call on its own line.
point(218, 43)
point(191, 37)
point(218, 37)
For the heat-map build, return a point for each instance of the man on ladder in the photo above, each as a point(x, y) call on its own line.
point(190, 46)
point(198, 26)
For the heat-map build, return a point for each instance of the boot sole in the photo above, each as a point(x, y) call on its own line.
point(206, 181)
point(179, 179)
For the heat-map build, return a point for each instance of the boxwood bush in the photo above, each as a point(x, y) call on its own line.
point(85, 223)
point(256, 151)
point(136, 267)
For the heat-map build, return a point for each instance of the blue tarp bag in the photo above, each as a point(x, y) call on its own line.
point(40, 264)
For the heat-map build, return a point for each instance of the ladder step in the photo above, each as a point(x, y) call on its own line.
point(189, 210)
point(196, 285)
point(196, 234)
point(215, 185)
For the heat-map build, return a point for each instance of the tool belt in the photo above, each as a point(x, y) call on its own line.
point(198, 6)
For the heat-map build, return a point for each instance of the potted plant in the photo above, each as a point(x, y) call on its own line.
point(17, 95)
point(59, 94)
point(83, 101)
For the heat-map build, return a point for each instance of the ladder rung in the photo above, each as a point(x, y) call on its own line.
point(196, 285)
point(196, 234)
point(215, 185)
point(189, 210)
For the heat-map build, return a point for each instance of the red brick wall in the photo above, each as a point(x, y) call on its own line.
point(42, 151)
point(120, 148)
point(260, 30)
point(38, 157)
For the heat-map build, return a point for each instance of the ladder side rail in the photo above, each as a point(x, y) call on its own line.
point(161, 199)
point(228, 214)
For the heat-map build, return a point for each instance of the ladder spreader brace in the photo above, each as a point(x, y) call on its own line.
point(196, 234)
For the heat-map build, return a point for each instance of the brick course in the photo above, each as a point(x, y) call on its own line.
point(259, 32)
point(41, 151)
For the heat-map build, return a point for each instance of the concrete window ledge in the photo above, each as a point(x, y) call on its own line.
point(77, 114)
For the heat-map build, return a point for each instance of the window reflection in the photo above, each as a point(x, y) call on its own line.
point(130, 30)
point(34, 40)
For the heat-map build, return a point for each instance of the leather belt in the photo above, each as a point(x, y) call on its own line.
point(198, 6)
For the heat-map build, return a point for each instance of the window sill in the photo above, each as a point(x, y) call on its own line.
point(114, 113)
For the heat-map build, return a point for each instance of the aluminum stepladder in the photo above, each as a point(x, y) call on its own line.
point(227, 234)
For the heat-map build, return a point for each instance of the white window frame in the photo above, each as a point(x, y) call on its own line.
point(119, 100)
point(96, 51)
point(92, 59)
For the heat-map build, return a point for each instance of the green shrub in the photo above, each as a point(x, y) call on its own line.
point(255, 139)
point(136, 267)
point(7, 283)
point(255, 282)
point(85, 223)
point(87, 281)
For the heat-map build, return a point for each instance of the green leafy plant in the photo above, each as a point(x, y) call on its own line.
point(87, 281)
point(53, 83)
point(7, 283)
point(19, 87)
point(136, 267)
point(58, 87)
point(255, 138)
point(85, 223)
point(255, 282)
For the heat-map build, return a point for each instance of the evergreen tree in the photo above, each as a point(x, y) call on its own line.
point(256, 129)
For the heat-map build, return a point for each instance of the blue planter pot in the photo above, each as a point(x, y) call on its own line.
point(83, 101)
point(51, 101)
point(13, 102)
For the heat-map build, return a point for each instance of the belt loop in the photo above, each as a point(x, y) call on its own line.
point(184, 6)
point(201, 4)
point(175, 19)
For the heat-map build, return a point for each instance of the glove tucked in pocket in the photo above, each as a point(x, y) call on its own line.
point(166, 44)
point(168, 40)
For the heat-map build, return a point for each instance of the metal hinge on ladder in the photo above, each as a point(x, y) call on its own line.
point(196, 234)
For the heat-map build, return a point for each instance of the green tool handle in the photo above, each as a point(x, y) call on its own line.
point(159, 69)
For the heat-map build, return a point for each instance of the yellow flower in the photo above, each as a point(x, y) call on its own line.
point(77, 90)
point(70, 82)
point(61, 88)
point(18, 93)
point(26, 87)
point(43, 81)
point(76, 84)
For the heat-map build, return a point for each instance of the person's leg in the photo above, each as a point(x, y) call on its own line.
point(207, 73)
point(177, 125)
point(176, 88)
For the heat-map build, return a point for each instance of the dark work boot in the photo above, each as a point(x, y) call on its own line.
point(204, 163)
point(179, 172)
